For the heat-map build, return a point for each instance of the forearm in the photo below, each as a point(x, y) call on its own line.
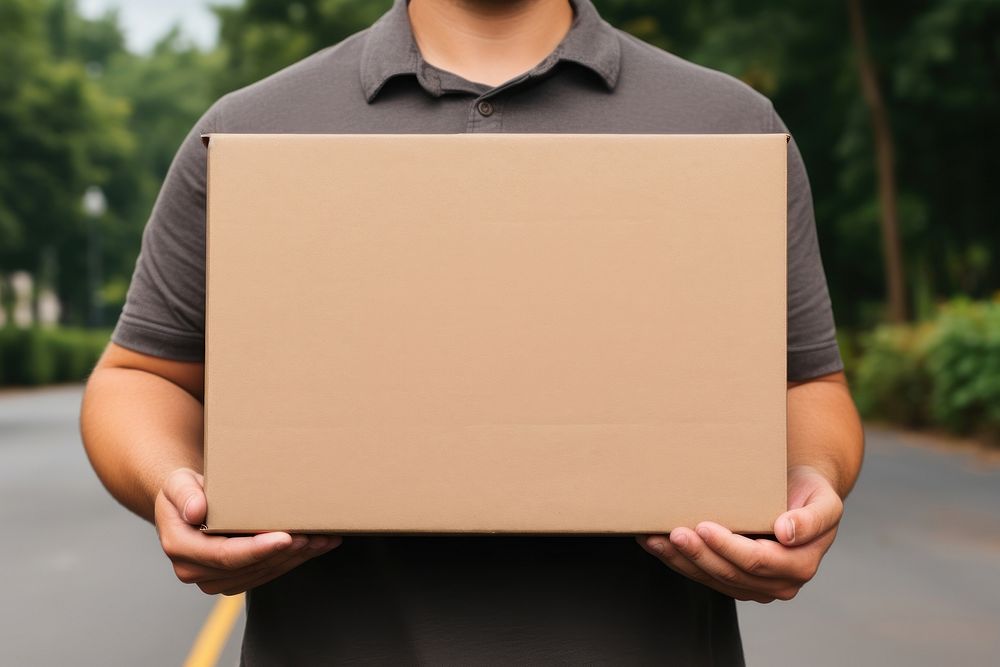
point(137, 428)
point(824, 431)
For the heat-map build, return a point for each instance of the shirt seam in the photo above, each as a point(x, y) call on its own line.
point(812, 347)
point(152, 327)
point(823, 369)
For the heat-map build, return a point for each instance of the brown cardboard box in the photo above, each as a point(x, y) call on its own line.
point(495, 333)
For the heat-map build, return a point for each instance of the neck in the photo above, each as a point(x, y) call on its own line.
point(488, 41)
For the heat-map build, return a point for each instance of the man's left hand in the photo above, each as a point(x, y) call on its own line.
point(759, 569)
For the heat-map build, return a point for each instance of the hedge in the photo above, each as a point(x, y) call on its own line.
point(942, 373)
point(37, 356)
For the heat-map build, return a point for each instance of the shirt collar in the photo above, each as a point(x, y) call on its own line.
point(390, 50)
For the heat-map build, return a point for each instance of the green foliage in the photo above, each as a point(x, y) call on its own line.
point(963, 358)
point(262, 36)
point(77, 109)
point(167, 90)
point(60, 132)
point(890, 378)
point(944, 372)
point(37, 356)
point(847, 342)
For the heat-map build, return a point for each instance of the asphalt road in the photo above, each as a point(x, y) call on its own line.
point(914, 576)
point(83, 580)
point(913, 579)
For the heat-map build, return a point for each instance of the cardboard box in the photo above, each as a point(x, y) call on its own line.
point(495, 333)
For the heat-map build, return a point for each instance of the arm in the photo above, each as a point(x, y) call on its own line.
point(141, 422)
point(141, 419)
point(825, 449)
point(824, 430)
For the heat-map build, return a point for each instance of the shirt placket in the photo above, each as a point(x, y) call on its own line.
point(486, 111)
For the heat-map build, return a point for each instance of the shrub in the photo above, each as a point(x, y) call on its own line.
point(847, 342)
point(890, 377)
point(963, 357)
point(37, 356)
point(944, 372)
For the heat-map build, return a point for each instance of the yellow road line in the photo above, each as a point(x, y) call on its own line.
point(212, 639)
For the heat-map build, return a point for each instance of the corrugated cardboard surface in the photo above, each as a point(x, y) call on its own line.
point(495, 333)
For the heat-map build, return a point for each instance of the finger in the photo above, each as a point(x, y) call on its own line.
point(310, 546)
point(245, 582)
point(193, 572)
point(660, 546)
point(821, 512)
point(183, 542)
point(692, 547)
point(185, 491)
point(675, 560)
point(761, 558)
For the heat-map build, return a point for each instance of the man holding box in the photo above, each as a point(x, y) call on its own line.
point(447, 66)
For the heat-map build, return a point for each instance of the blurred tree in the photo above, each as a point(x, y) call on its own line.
point(167, 90)
point(885, 158)
point(77, 109)
point(262, 36)
point(60, 133)
point(944, 86)
point(939, 62)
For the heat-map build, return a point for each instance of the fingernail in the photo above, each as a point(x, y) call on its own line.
point(657, 545)
point(319, 543)
point(299, 541)
point(790, 528)
point(703, 532)
point(680, 539)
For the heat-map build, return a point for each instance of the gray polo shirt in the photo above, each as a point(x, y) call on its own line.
point(459, 600)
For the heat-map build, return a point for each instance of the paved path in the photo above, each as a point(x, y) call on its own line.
point(913, 580)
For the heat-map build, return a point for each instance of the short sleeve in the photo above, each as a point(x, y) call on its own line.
point(811, 332)
point(164, 312)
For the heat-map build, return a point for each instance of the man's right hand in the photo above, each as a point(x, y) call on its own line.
point(227, 565)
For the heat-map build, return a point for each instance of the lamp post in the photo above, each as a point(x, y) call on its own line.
point(95, 205)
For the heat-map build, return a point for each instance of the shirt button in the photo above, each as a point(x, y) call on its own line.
point(485, 108)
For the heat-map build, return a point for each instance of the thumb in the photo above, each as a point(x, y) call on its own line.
point(185, 491)
point(821, 512)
